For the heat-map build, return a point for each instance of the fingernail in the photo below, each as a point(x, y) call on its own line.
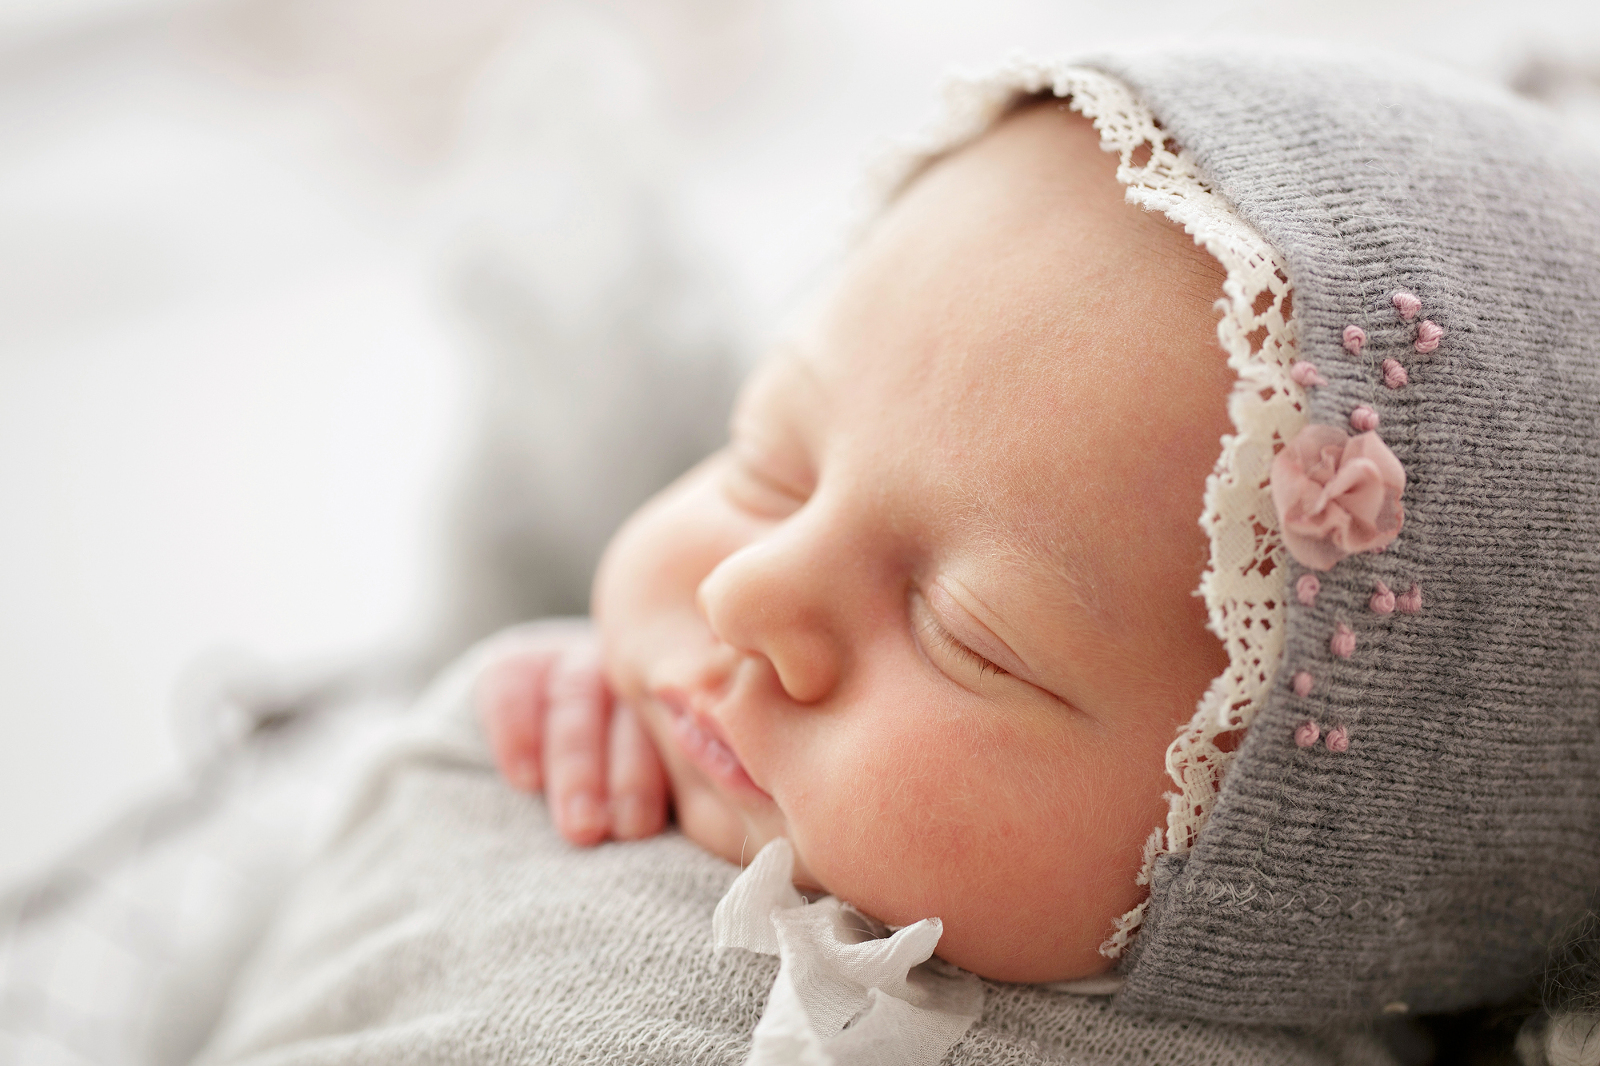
point(583, 813)
point(629, 816)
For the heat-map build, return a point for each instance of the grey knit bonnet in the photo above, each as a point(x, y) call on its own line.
point(1412, 819)
point(1443, 242)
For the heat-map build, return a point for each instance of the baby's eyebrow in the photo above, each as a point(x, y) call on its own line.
point(1042, 546)
point(1085, 585)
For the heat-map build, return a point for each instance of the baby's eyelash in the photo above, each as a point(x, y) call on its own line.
point(935, 633)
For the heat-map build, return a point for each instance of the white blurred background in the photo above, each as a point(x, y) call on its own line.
point(268, 268)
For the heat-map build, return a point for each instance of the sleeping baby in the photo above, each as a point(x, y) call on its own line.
point(930, 614)
point(1062, 774)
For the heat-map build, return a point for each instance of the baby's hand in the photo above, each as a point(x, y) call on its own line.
point(553, 725)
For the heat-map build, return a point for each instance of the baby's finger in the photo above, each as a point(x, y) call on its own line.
point(576, 718)
point(637, 779)
point(511, 698)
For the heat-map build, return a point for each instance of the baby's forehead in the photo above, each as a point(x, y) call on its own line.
point(1012, 262)
point(1033, 204)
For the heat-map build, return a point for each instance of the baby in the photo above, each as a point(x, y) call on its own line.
point(930, 614)
point(929, 624)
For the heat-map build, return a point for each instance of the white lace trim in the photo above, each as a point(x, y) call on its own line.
point(1243, 585)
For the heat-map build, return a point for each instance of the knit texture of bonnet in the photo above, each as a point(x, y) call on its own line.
point(1443, 241)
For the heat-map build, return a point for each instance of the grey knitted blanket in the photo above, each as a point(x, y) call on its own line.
point(449, 923)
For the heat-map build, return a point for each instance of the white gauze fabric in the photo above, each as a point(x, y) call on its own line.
point(838, 968)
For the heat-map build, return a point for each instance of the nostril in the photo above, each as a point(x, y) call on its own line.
point(807, 667)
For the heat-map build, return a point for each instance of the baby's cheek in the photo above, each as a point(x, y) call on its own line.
point(1008, 834)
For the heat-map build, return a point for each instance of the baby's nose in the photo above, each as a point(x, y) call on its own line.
point(758, 601)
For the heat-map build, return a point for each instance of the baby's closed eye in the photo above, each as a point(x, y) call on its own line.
point(749, 482)
point(943, 649)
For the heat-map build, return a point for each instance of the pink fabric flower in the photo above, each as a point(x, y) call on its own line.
point(1336, 495)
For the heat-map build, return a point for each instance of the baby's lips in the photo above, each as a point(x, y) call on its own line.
point(700, 738)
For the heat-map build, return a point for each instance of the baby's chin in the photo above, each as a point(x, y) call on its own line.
point(1021, 938)
point(1010, 933)
point(993, 940)
point(995, 950)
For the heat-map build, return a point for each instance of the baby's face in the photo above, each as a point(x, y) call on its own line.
point(931, 613)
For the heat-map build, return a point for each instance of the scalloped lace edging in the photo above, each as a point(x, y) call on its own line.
point(1243, 585)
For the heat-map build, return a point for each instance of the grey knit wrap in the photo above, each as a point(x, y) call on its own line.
point(1430, 865)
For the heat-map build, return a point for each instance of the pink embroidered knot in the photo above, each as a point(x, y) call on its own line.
point(1307, 735)
point(1354, 338)
point(1383, 600)
point(1306, 589)
point(1336, 495)
point(1428, 335)
point(1407, 304)
point(1343, 642)
point(1305, 375)
point(1410, 601)
point(1394, 375)
point(1338, 739)
point(1363, 419)
point(1302, 684)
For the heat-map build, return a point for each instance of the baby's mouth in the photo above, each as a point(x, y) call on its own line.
point(701, 740)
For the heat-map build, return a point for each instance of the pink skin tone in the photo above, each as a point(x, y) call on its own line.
point(554, 727)
point(930, 614)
